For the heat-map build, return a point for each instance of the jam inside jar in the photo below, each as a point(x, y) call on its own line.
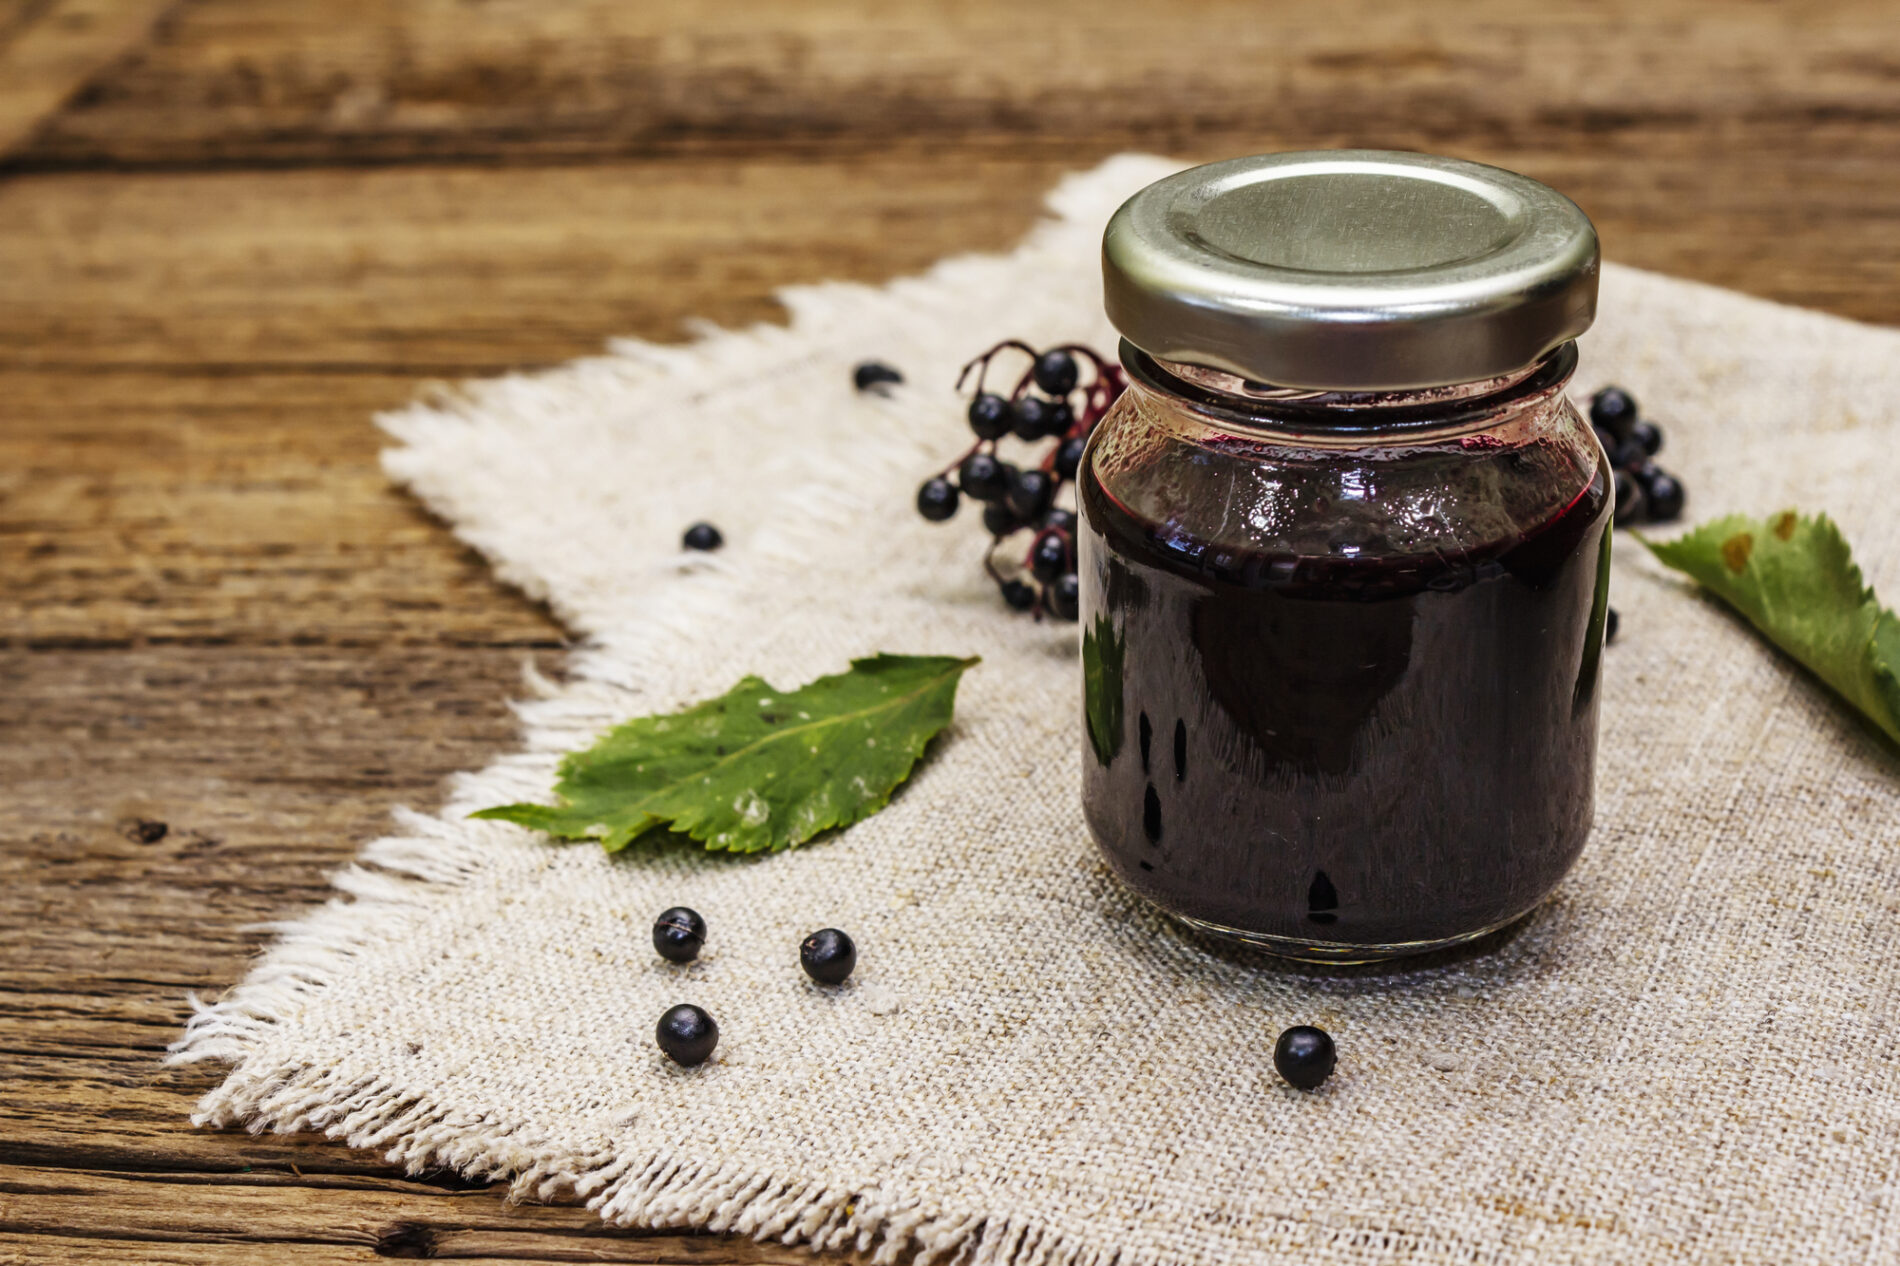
point(1341, 686)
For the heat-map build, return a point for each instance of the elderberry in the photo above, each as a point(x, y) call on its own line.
point(1069, 457)
point(1627, 455)
point(1055, 372)
point(1305, 1056)
point(1663, 495)
point(687, 1035)
point(999, 520)
point(1018, 595)
point(989, 416)
point(702, 536)
point(678, 934)
point(1049, 558)
point(1031, 418)
point(983, 477)
point(937, 499)
point(1030, 493)
point(828, 956)
point(1614, 409)
point(1065, 596)
point(874, 375)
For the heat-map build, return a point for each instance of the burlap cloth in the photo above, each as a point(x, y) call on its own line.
point(1688, 1055)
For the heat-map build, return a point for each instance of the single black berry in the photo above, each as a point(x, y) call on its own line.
point(687, 1034)
point(873, 373)
point(1055, 372)
point(1305, 1056)
point(1609, 627)
point(1664, 496)
point(1030, 420)
point(1049, 558)
point(703, 536)
point(990, 416)
point(1648, 436)
point(1630, 506)
point(999, 520)
point(983, 477)
point(1069, 456)
point(1060, 519)
point(1628, 455)
point(1065, 596)
point(1061, 418)
point(1030, 493)
point(937, 499)
point(1018, 595)
point(678, 933)
point(828, 956)
point(1614, 409)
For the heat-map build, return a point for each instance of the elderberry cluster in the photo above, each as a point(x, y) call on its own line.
point(1051, 401)
point(1645, 492)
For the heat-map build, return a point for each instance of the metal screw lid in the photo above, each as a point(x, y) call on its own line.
point(1350, 270)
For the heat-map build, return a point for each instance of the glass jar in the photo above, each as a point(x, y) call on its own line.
point(1344, 552)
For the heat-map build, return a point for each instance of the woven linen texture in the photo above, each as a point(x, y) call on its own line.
point(1688, 1055)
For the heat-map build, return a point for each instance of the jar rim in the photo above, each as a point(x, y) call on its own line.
point(1314, 414)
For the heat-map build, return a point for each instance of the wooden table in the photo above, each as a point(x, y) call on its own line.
point(230, 231)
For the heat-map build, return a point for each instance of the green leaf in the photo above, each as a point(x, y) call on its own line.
point(1102, 651)
point(1794, 578)
point(757, 768)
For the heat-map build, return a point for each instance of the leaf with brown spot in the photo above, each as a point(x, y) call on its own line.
point(1794, 578)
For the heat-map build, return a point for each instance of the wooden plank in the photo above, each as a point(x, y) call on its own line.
point(346, 80)
point(402, 1241)
point(266, 767)
point(48, 52)
point(15, 14)
point(455, 270)
point(374, 1217)
point(158, 507)
point(1747, 146)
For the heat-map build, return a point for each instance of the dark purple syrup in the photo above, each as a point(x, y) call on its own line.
point(1357, 751)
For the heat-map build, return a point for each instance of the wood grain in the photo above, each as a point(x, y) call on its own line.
point(228, 648)
point(48, 52)
point(312, 80)
point(362, 1218)
point(1745, 144)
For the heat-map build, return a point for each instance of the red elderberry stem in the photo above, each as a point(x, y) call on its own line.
point(984, 361)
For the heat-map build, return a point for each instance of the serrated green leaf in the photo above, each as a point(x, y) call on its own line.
point(1102, 650)
point(757, 768)
point(1794, 578)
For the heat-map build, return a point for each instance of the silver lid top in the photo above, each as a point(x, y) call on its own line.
point(1350, 270)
